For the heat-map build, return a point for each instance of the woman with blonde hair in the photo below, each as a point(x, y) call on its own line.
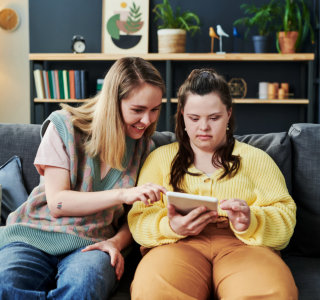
point(65, 241)
point(230, 253)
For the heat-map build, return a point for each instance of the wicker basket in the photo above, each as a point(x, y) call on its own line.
point(171, 41)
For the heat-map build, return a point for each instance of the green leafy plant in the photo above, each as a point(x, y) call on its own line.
point(176, 19)
point(296, 17)
point(133, 22)
point(263, 18)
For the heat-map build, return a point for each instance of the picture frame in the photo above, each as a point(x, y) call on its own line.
point(125, 26)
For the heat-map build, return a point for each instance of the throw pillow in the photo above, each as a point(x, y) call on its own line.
point(13, 190)
point(0, 197)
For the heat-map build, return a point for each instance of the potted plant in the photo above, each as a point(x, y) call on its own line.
point(262, 18)
point(296, 26)
point(175, 24)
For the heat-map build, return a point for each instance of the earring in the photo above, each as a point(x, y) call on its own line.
point(228, 127)
point(185, 129)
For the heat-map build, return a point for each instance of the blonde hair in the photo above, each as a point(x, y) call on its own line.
point(100, 119)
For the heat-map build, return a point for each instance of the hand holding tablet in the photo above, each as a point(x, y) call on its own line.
point(184, 203)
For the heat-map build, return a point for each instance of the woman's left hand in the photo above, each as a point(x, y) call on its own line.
point(109, 246)
point(238, 212)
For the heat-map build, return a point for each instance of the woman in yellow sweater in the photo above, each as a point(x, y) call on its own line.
point(230, 253)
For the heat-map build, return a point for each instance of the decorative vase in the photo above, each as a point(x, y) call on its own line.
point(260, 43)
point(287, 41)
point(171, 40)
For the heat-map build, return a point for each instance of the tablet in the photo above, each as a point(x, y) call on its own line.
point(184, 203)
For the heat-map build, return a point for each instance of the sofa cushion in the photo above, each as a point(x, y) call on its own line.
point(13, 190)
point(305, 140)
point(0, 197)
point(22, 140)
point(278, 146)
point(163, 138)
point(305, 271)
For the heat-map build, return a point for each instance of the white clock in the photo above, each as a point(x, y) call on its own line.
point(78, 44)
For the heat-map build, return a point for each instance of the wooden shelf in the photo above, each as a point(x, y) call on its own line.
point(37, 100)
point(175, 56)
point(175, 100)
point(259, 101)
point(271, 101)
point(306, 105)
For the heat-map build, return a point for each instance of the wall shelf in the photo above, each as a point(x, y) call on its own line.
point(175, 56)
point(175, 100)
point(259, 101)
point(37, 100)
point(306, 59)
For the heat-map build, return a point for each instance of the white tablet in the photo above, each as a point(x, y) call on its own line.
point(184, 203)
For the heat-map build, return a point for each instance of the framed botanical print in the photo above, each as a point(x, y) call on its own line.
point(125, 26)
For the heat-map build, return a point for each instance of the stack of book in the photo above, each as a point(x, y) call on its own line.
point(61, 84)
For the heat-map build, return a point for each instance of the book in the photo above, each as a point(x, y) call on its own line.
point(61, 85)
point(56, 79)
point(38, 80)
point(72, 85)
point(65, 84)
point(83, 85)
point(50, 79)
point(45, 84)
point(68, 85)
point(77, 82)
point(99, 84)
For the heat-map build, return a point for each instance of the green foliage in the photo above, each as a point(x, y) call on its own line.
point(296, 17)
point(133, 21)
point(178, 20)
point(263, 18)
point(112, 27)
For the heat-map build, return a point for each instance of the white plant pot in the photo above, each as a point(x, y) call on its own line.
point(171, 41)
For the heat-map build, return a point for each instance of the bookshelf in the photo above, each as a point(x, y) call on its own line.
point(168, 61)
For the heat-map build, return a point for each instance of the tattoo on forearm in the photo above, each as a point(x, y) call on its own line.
point(59, 206)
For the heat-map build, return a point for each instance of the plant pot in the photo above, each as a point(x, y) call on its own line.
point(260, 43)
point(287, 41)
point(171, 40)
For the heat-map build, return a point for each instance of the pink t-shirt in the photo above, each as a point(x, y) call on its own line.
point(51, 151)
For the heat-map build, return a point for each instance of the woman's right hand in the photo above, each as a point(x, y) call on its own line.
point(192, 223)
point(144, 193)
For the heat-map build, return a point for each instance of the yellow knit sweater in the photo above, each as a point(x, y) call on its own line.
point(258, 181)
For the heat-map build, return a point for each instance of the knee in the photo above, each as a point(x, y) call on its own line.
point(168, 283)
point(277, 290)
point(286, 291)
point(93, 278)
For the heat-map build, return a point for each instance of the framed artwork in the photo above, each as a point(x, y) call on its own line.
point(125, 26)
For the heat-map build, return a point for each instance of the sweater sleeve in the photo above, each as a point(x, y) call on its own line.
point(273, 211)
point(149, 225)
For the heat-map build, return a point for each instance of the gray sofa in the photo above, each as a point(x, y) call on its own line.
point(297, 154)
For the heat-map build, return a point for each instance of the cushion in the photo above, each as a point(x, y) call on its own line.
point(305, 140)
point(22, 140)
point(305, 271)
point(163, 138)
point(13, 190)
point(278, 146)
point(0, 197)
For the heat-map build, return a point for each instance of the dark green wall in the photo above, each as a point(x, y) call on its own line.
point(53, 23)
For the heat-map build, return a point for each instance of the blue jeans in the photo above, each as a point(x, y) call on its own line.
point(28, 273)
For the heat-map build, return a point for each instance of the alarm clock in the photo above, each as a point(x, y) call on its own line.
point(9, 19)
point(78, 44)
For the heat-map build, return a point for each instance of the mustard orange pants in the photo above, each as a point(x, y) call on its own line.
point(214, 264)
